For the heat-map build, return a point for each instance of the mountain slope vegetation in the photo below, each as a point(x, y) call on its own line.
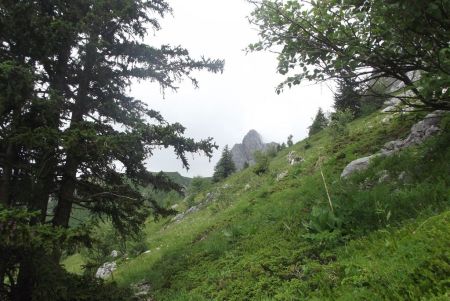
point(381, 235)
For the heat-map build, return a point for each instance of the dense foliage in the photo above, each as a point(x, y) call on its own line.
point(70, 135)
point(362, 41)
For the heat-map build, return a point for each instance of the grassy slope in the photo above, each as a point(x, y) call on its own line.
point(177, 178)
point(280, 241)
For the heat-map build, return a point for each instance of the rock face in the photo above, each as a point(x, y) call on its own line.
point(392, 85)
point(419, 132)
point(106, 270)
point(243, 152)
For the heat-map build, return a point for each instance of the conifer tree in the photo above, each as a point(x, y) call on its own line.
point(67, 123)
point(346, 97)
point(320, 122)
point(225, 167)
point(289, 141)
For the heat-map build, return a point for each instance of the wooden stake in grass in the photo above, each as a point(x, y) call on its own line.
point(319, 162)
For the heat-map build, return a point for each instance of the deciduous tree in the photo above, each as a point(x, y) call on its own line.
point(362, 41)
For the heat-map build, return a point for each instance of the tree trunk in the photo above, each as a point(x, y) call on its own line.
point(23, 291)
point(68, 183)
point(5, 197)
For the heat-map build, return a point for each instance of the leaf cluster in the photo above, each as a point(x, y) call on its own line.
point(361, 41)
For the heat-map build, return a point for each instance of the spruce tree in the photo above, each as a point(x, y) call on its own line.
point(225, 167)
point(289, 141)
point(346, 97)
point(320, 122)
point(67, 123)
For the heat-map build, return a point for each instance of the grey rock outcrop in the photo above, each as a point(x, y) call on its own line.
point(392, 85)
point(419, 132)
point(357, 165)
point(282, 175)
point(106, 270)
point(142, 291)
point(293, 158)
point(210, 197)
point(243, 152)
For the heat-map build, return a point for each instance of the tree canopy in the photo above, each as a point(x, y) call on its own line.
point(363, 41)
point(70, 135)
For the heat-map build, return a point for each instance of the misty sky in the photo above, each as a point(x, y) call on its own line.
point(226, 106)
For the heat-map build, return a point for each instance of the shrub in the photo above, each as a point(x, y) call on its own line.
point(261, 163)
point(338, 126)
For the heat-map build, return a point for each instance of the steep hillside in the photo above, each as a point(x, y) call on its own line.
point(381, 234)
point(179, 179)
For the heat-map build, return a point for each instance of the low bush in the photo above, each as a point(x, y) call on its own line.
point(262, 162)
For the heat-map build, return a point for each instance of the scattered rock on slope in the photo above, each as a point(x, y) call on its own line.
point(293, 158)
point(282, 175)
point(357, 165)
point(243, 152)
point(106, 270)
point(419, 132)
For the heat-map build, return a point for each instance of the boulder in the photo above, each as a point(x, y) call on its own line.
point(106, 270)
point(114, 253)
point(392, 102)
point(357, 165)
point(142, 291)
point(282, 175)
point(403, 177)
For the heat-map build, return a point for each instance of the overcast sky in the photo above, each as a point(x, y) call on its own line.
point(226, 106)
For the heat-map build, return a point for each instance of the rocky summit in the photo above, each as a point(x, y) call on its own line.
point(243, 152)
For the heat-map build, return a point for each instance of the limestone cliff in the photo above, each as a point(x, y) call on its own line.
point(243, 152)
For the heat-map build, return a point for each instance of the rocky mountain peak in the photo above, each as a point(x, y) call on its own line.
point(253, 140)
point(243, 152)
